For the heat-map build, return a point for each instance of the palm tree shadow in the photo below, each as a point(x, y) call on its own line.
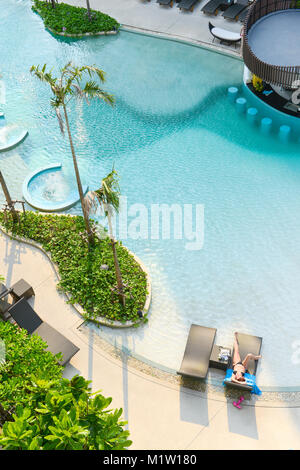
point(13, 251)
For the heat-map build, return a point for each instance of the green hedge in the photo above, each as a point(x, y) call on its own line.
point(40, 410)
point(79, 265)
point(73, 20)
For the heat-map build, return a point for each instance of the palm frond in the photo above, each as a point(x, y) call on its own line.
point(109, 193)
point(107, 197)
point(93, 70)
point(92, 90)
point(91, 202)
point(43, 75)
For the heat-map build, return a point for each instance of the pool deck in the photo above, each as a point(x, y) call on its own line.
point(173, 23)
point(160, 415)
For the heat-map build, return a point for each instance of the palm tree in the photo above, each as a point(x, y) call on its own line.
point(88, 7)
point(108, 197)
point(9, 202)
point(64, 88)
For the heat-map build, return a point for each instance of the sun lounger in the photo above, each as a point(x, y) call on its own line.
point(165, 2)
point(224, 35)
point(242, 16)
point(213, 6)
point(247, 344)
point(4, 304)
point(17, 291)
point(197, 352)
point(187, 4)
point(232, 13)
point(27, 318)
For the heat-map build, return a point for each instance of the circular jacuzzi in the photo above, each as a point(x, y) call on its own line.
point(47, 190)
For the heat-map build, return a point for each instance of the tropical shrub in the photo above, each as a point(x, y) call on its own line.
point(73, 20)
point(43, 411)
point(79, 265)
point(25, 358)
point(257, 83)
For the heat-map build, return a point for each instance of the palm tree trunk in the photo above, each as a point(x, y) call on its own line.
point(80, 191)
point(88, 7)
point(116, 262)
point(8, 198)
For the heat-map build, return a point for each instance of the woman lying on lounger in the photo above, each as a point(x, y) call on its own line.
point(240, 367)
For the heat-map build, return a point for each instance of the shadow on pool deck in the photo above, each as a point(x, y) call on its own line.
point(242, 421)
point(193, 408)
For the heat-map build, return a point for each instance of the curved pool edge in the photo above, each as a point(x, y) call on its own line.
point(15, 143)
point(218, 49)
point(41, 204)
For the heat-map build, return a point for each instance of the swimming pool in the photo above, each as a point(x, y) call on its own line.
point(174, 138)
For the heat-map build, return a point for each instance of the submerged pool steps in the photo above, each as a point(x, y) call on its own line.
point(265, 123)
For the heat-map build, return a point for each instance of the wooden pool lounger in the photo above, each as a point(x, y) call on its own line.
point(197, 352)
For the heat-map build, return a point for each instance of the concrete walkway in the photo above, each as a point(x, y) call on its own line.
point(172, 22)
point(160, 415)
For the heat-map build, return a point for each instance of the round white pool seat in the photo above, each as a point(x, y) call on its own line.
point(225, 35)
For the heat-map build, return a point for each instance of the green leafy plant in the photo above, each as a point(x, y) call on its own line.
point(79, 265)
point(73, 20)
point(40, 410)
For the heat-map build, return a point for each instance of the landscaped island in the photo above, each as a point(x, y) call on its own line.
point(87, 271)
point(69, 20)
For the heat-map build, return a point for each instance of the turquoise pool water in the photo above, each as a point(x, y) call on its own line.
point(174, 138)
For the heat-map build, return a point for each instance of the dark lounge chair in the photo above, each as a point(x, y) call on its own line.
point(213, 6)
point(27, 318)
point(165, 2)
point(4, 304)
point(18, 290)
point(197, 352)
point(224, 36)
point(242, 16)
point(247, 344)
point(187, 4)
point(232, 13)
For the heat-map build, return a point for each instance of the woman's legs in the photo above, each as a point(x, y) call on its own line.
point(236, 353)
point(248, 357)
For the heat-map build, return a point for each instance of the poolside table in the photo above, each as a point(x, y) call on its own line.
point(215, 361)
point(22, 289)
